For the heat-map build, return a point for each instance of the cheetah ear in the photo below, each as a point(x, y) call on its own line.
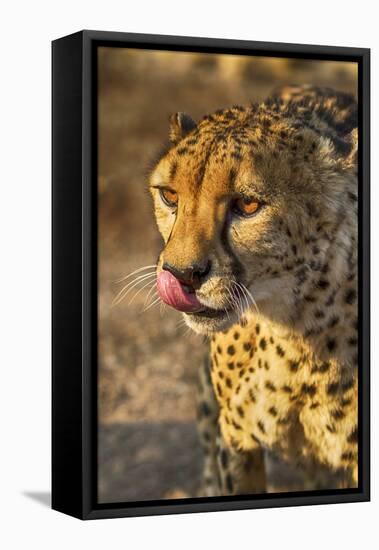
point(180, 125)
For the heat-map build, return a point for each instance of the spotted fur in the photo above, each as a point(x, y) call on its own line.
point(283, 352)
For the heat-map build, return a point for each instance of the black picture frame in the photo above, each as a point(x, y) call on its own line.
point(74, 295)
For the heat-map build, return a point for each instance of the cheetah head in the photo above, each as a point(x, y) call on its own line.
point(245, 201)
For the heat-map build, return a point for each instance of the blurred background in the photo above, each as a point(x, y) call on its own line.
point(148, 446)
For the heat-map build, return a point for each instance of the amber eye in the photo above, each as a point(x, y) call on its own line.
point(245, 206)
point(169, 197)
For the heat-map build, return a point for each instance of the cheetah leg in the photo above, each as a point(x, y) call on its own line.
point(207, 424)
point(225, 470)
point(240, 472)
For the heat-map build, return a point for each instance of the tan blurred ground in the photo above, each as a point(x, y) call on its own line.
point(148, 447)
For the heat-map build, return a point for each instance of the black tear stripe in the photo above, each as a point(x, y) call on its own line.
point(237, 267)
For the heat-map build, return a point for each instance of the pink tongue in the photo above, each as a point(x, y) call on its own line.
point(173, 294)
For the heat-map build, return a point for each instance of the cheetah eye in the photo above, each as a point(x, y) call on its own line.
point(245, 206)
point(169, 197)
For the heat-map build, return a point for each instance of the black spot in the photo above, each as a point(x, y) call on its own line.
point(236, 426)
point(301, 275)
point(321, 368)
point(228, 382)
point(241, 412)
point(219, 390)
point(347, 386)
point(224, 459)
point(309, 389)
point(215, 360)
point(280, 351)
point(247, 346)
point(319, 314)
point(266, 365)
point(331, 344)
point(231, 350)
point(332, 388)
point(270, 386)
point(204, 408)
point(293, 366)
point(236, 155)
point(236, 335)
point(323, 284)
point(331, 298)
point(273, 411)
point(263, 343)
point(229, 483)
point(337, 414)
point(350, 296)
point(257, 328)
point(261, 426)
point(311, 209)
point(230, 365)
point(352, 197)
point(173, 169)
point(353, 436)
point(333, 321)
point(252, 396)
point(345, 402)
point(192, 141)
point(314, 405)
point(255, 438)
point(219, 350)
point(352, 341)
point(331, 429)
point(287, 389)
point(347, 456)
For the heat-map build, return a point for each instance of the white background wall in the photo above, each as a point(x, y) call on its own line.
point(26, 31)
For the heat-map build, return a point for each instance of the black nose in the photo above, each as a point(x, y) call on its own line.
point(191, 275)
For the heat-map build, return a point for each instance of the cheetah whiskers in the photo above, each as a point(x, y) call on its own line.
point(251, 297)
point(151, 267)
point(244, 295)
point(154, 303)
point(131, 285)
point(149, 298)
point(232, 301)
point(150, 294)
point(150, 283)
point(238, 298)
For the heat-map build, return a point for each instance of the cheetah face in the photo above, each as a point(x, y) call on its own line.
point(239, 200)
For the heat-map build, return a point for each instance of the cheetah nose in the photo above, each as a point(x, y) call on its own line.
point(173, 293)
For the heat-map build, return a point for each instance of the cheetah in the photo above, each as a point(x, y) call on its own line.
point(257, 207)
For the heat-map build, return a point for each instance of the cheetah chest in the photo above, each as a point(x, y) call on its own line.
point(273, 393)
